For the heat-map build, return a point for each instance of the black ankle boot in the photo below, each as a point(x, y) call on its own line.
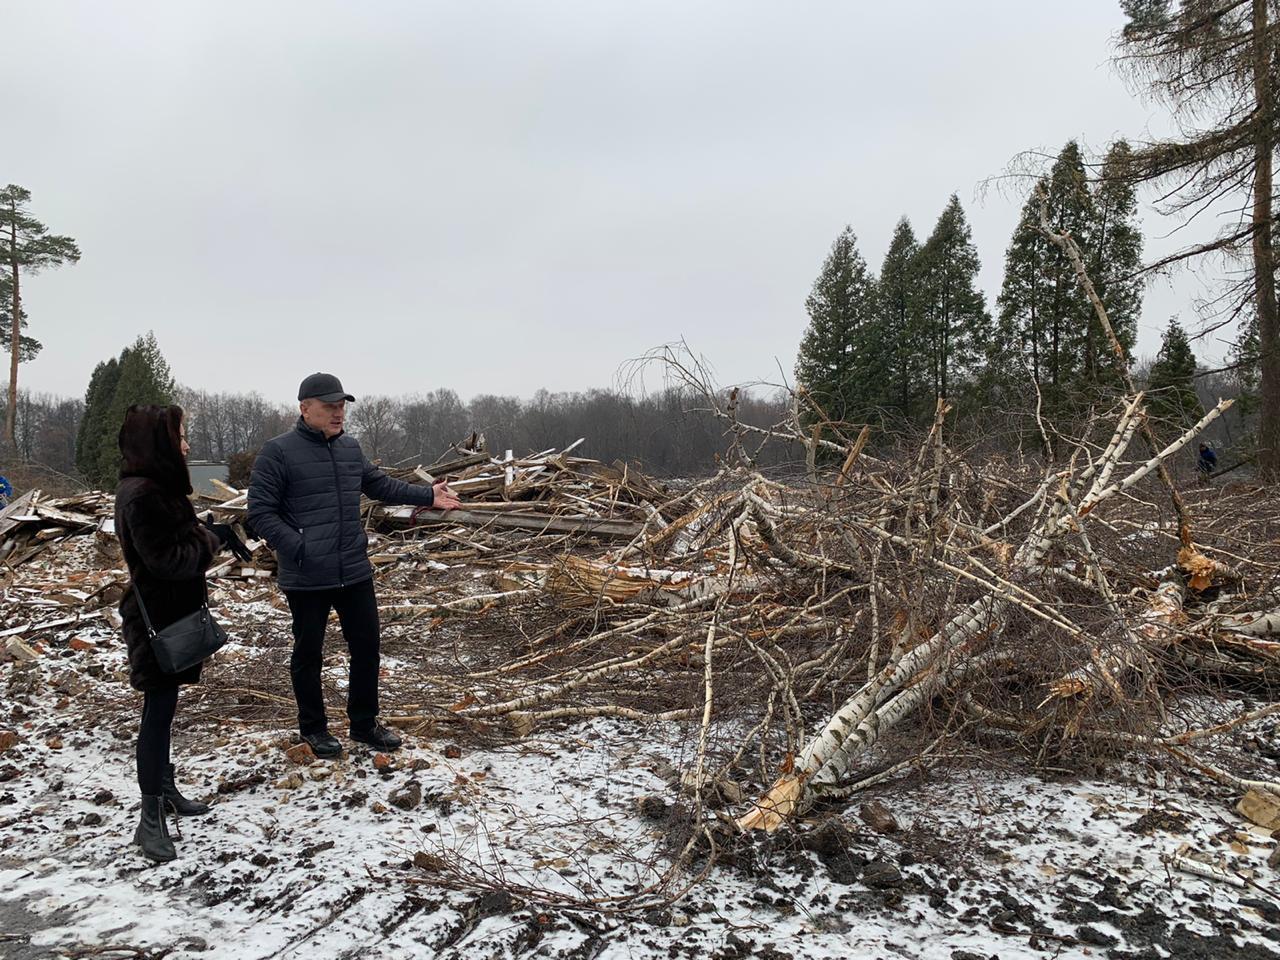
point(152, 834)
point(176, 801)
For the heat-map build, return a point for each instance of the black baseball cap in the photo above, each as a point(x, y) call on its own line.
point(323, 386)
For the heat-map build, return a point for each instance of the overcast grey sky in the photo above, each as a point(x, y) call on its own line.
point(497, 197)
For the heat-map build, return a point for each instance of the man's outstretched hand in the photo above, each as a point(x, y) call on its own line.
point(445, 499)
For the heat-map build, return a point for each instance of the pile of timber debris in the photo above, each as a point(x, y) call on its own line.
point(842, 631)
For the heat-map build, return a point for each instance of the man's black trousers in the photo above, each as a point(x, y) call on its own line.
point(358, 614)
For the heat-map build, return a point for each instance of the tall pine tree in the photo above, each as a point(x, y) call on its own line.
point(1245, 368)
point(26, 247)
point(1070, 314)
point(28, 347)
point(955, 323)
point(838, 364)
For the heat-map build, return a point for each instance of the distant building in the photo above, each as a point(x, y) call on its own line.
point(203, 473)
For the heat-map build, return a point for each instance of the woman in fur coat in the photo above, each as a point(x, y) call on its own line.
point(167, 551)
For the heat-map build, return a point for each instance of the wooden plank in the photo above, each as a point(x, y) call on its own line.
point(496, 506)
point(539, 522)
point(50, 624)
point(46, 512)
point(476, 485)
point(15, 513)
point(459, 463)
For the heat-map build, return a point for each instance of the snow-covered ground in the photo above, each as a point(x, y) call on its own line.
point(491, 852)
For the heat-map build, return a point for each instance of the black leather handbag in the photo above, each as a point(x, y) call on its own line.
point(186, 642)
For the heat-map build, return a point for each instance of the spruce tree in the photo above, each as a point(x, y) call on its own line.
point(955, 323)
point(1047, 324)
point(94, 431)
point(144, 378)
point(140, 375)
point(838, 364)
point(26, 247)
point(1070, 315)
point(901, 323)
point(1171, 393)
point(1114, 261)
point(1021, 334)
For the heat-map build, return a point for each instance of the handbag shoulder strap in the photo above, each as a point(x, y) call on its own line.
point(151, 631)
point(142, 607)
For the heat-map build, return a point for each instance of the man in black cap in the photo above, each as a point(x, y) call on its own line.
point(304, 499)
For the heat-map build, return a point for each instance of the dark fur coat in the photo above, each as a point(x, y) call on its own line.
point(167, 551)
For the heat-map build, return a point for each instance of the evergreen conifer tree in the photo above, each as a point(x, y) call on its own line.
point(1245, 367)
point(1021, 333)
point(1115, 257)
point(1047, 324)
point(955, 323)
point(901, 324)
point(1171, 392)
point(94, 431)
point(838, 364)
point(144, 378)
point(140, 375)
point(1215, 61)
point(1070, 315)
point(28, 347)
point(26, 247)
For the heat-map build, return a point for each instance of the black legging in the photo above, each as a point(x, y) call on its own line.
point(158, 708)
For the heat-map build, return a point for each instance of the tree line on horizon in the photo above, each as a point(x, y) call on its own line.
point(667, 433)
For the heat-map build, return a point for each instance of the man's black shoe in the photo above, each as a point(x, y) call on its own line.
point(378, 737)
point(323, 745)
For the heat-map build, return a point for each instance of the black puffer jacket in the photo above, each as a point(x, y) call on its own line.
point(304, 498)
point(167, 551)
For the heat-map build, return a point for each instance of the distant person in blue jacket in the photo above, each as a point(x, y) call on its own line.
point(6, 491)
point(1207, 461)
